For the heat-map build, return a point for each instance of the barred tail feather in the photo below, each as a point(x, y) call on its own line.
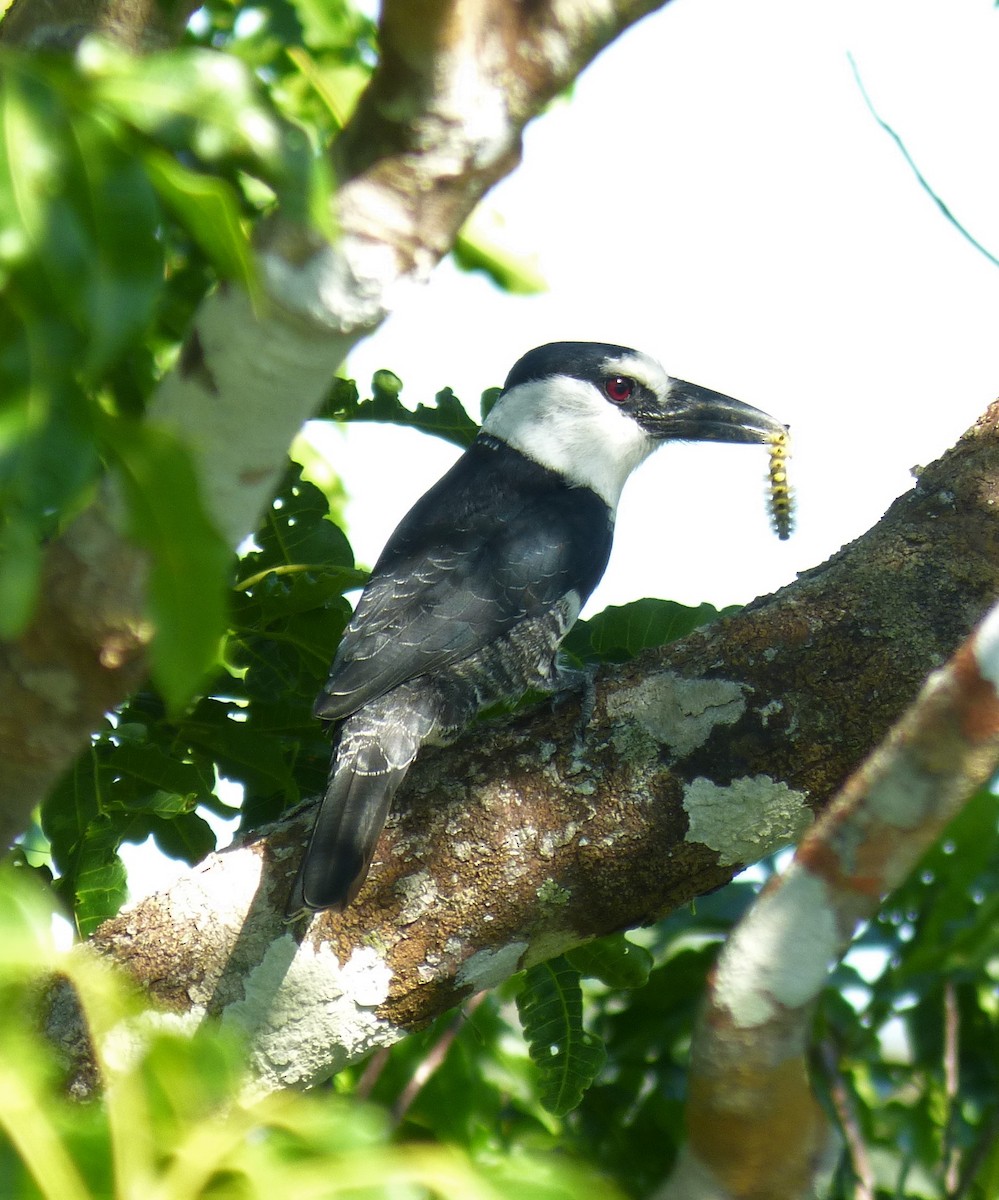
point(372, 753)
point(351, 818)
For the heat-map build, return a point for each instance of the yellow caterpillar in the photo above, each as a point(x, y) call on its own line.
point(781, 498)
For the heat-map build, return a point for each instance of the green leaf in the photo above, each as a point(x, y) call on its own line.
point(296, 535)
point(99, 876)
point(209, 210)
point(48, 458)
point(75, 801)
point(613, 960)
point(200, 102)
point(621, 632)
point(447, 418)
point(190, 560)
point(26, 919)
point(331, 24)
point(162, 774)
point(474, 250)
point(123, 253)
point(188, 837)
point(568, 1058)
point(239, 748)
point(79, 218)
point(20, 572)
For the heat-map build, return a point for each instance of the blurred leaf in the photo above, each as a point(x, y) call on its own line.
point(331, 24)
point(475, 250)
point(82, 207)
point(26, 910)
point(339, 85)
point(176, 1118)
point(209, 210)
point(568, 1058)
point(201, 102)
point(20, 571)
point(190, 560)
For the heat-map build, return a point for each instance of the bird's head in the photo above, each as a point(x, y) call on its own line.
point(592, 412)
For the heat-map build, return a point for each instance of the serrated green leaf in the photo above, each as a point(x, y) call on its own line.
point(190, 560)
point(282, 591)
point(550, 1005)
point(240, 749)
point(447, 418)
point(208, 208)
point(161, 773)
point(622, 631)
point(295, 534)
point(613, 960)
point(96, 885)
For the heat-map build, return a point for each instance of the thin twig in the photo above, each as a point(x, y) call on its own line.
point(951, 1032)
point(856, 1147)
point(434, 1058)
point(923, 182)
point(370, 1074)
point(976, 1157)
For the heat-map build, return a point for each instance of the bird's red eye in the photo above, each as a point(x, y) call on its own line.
point(619, 388)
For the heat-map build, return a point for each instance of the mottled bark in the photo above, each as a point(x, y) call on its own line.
point(508, 847)
point(749, 1077)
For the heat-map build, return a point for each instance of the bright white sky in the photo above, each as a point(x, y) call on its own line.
point(718, 194)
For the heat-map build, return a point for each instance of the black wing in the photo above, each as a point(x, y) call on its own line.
point(497, 539)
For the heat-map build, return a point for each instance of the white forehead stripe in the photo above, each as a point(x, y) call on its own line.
point(569, 426)
point(646, 370)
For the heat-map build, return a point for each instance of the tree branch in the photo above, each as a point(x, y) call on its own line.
point(749, 1082)
point(507, 849)
point(440, 123)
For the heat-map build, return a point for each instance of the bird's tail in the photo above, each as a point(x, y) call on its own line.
point(369, 764)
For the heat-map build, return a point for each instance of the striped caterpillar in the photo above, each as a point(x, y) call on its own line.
point(781, 498)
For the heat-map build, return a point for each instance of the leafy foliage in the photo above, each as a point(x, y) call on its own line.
point(915, 1052)
point(95, 201)
point(447, 419)
point(172, 1121)
point(551, 1011)
point(149, 771)
point(128, 187)
point(622, 631)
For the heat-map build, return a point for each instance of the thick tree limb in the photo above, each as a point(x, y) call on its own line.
point(749, 1084)
point(508, 849)
point(440, 123)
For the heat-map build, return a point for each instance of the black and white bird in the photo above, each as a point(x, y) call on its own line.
point(475, 590)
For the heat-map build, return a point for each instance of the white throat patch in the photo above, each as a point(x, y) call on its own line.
point(567, 425)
